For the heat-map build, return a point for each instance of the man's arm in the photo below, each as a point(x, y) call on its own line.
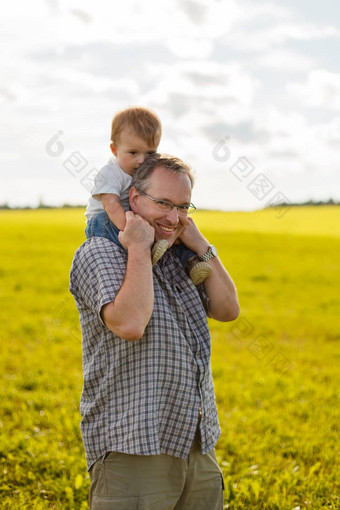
point(128, 315)
point(220, 288)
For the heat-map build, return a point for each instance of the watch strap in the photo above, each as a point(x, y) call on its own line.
point(210, 254)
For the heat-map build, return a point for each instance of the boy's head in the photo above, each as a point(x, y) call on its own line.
point(135, 133)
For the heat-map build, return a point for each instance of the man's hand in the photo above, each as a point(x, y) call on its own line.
point(193, 239)
point(128, 315)
point(137, 232)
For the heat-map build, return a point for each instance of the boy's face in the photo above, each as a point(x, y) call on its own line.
point(131, 151)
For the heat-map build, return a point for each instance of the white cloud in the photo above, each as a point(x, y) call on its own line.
point(284, 61)
point(133, 21)
point(202, 86)
point(209, 69)
point(296, 147)
point(266, 25)
point(211, 19)
point(189, 47)
point(321, 89)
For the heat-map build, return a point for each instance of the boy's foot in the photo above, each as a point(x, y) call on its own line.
point(200, 272)
point(158, 250)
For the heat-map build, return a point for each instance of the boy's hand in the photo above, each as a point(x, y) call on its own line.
point(193, 239)
point(137, 232)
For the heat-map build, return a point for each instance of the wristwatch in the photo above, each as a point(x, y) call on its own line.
point(210, 254)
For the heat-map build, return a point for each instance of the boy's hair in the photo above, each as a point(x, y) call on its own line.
point(142, 121)
point(140, 179)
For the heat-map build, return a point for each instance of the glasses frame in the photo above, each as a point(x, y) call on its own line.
point(182, 209)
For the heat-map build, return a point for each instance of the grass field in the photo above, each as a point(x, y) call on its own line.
point(276, 368)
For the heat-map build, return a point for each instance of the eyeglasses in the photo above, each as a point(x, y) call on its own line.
point(166, 206)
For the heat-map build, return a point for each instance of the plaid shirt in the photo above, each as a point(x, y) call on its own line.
point(143, 397)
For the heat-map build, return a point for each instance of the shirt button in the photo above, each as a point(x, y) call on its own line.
point(198, 354)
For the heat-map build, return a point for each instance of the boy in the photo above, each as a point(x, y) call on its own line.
point(135, 134)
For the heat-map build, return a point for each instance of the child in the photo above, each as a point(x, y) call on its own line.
point(135, 134)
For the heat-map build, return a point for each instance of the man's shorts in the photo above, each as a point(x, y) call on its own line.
point(157, 482)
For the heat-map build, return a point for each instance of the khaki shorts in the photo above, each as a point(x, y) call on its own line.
point(157, 482)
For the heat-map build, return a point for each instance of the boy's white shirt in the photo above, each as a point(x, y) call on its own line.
point(110, 179)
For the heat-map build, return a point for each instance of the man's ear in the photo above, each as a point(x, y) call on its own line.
point(133, 198)
point(113, 149)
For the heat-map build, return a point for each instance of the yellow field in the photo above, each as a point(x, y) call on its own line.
point(311, 221)
point(275, 367)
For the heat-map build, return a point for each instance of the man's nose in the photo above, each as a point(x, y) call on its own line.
point(173, 216)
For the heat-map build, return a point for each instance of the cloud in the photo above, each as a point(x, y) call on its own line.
point(208, 68)
point(196, 11)
point(321, 89)
point(245, 131)
point(189, 47)
point(202, 83)
point(82, 15)
point(268, 25)
point(7, 94)
point(210, 18)
point(53, 6)
point(284, 60)
point(330, 133)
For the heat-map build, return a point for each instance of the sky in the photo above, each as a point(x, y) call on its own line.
point(248, 93)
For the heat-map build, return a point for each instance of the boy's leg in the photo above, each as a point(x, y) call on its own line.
point(101, 226)
point(197, 270)
point(183, 253)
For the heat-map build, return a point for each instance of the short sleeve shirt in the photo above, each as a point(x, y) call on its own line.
point(110, 179)
point(143, 397)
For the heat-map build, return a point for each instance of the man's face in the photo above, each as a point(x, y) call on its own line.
point(163, 185)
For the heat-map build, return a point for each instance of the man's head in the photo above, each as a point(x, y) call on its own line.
point(161, 193)
point(135, 134)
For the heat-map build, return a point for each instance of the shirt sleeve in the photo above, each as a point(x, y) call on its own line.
point(110, 179)
point(97, 274)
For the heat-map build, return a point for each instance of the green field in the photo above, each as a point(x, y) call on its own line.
point(276, 368)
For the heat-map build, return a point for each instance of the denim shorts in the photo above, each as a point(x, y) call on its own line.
point(183, 253)
point(100, 225)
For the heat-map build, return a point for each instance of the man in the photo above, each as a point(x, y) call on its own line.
point(149, 418)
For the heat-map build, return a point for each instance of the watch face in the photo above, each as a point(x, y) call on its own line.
point(211, 253)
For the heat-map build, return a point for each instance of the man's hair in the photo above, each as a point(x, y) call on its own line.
point(140, 179)
point(141, 121)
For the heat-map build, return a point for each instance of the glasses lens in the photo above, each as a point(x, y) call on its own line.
point(163, 205)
